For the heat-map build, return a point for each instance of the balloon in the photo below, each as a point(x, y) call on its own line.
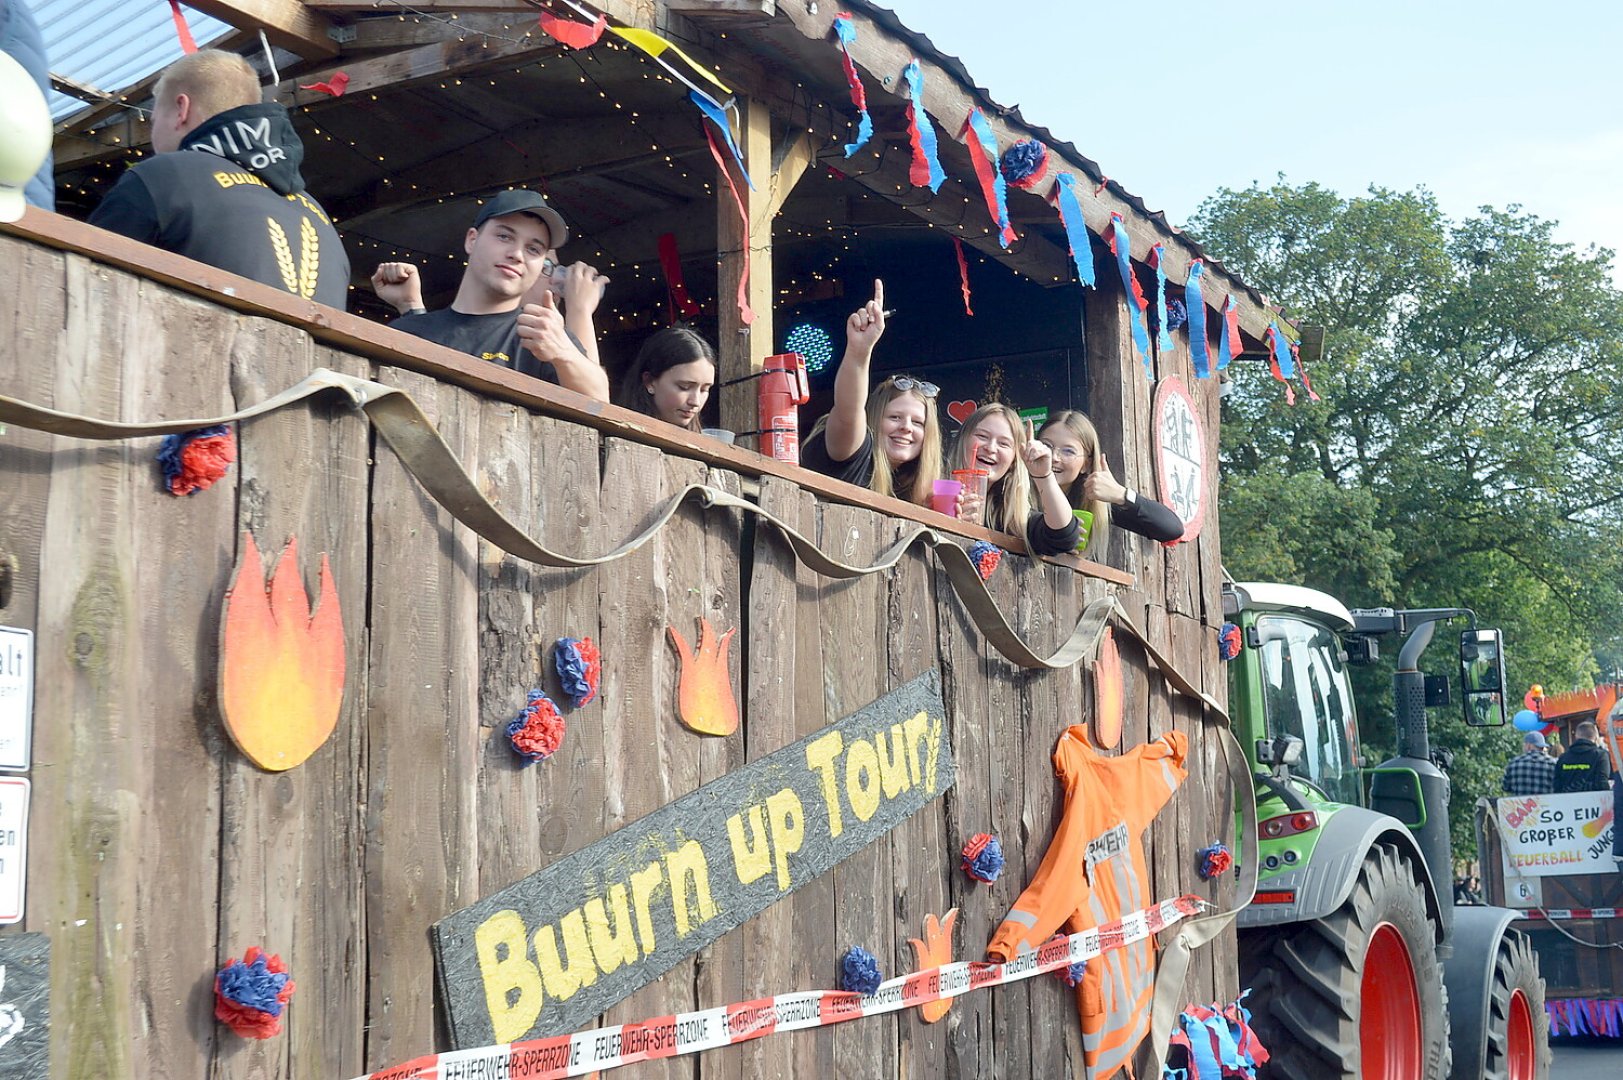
point(1533, 697)
point(1527, 720)
point(1549, 730)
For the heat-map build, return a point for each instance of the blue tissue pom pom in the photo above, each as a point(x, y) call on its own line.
point(859, 971)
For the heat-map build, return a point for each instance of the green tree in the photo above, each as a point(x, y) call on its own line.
point(1468, 450)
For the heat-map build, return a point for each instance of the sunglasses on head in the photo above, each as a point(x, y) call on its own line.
point(908, 385)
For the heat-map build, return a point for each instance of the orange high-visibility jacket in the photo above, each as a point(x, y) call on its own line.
point(1093, 874)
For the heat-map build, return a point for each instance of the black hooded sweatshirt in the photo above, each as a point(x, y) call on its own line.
point(1584, 767)
point(232, 197)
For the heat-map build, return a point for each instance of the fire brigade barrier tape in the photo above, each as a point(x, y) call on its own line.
point(427, 457)
point(707, 1029)
point(1571, 913)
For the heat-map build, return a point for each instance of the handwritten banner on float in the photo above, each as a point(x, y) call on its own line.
point(548, 954)
point(1545, 835)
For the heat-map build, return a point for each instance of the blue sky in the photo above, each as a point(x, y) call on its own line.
point(1483, 103)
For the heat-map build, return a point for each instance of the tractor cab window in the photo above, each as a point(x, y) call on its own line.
point(1305, 693)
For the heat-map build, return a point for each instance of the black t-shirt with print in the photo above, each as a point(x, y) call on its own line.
point(489, 337)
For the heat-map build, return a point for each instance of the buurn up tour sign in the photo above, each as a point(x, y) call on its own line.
point(548, 954)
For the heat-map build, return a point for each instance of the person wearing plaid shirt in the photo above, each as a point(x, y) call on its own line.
point(1531, 772)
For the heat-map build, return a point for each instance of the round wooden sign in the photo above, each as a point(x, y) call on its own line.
point(1181, 462)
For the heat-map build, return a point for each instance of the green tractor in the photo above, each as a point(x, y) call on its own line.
point(1362, 966)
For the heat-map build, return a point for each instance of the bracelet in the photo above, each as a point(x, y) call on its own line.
point(1044, 476)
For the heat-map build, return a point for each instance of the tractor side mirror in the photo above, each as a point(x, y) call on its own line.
point(1482, 676)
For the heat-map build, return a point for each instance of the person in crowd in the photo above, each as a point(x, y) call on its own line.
point(224, 187)
point(513, 239)
point(999, 441)
point(898, 420)
point(1532, 772)
point(21, 40)
point(671, 377)
point(1085, 477)
point(1586, 766)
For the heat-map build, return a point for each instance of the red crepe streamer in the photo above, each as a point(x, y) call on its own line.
point(745, 314)
point(1307, 382)
point(963, 273)
point(680, 304)
point(986, 172)
point(336, 86)
point(184, 32)
point(575, 35)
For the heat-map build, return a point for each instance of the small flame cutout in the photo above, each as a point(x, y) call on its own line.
point(704, 688)
point(934, 951)
point(1107, 693)
point(281, 663)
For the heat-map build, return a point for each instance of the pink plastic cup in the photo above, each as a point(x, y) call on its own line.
point(944, 500)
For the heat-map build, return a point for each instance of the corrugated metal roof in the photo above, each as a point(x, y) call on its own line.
point(112, 44)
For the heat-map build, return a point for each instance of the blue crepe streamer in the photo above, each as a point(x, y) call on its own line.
point(846, 31)
point(1124, 264)
point(1076, 231)
point(1225, 347)
point(988, 141)
point(1163, 335)
point(1203, 1060)
point(1282, 352)
point(1195, 305)
point(927, 139)
point(718, 116)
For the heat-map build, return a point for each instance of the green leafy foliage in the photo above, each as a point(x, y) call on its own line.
point(1468, 450)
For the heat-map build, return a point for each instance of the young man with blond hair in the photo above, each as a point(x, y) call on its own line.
point(224, 185)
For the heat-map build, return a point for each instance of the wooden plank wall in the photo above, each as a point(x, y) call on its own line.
point(157, 851)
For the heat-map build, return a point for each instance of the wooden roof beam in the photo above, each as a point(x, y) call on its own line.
point(288, 23)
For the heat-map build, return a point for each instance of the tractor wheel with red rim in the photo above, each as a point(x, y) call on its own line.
point(1518, 1026)
point(1358, 994)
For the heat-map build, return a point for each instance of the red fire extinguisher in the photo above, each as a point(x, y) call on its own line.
point(783, 389)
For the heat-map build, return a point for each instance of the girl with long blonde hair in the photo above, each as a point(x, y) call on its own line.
point(999, 441)
point(1085, 478)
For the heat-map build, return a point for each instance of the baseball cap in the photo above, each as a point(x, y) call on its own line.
point(25, 134)
point(1533, 738)
point(520, 201)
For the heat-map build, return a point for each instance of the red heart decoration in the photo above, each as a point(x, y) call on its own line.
point(961, 410)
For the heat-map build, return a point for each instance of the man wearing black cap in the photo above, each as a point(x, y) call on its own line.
point(512, 242)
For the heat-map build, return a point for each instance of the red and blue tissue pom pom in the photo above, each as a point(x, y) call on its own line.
point(1024, 163)
point(193, 460)
point(580, 669)
point(1229, 641)
point(538, 731)
point(1215, 861)
point(983, 857)
point(1072, 975)
point(249, 994)
point(859, 971)
point(985, 555)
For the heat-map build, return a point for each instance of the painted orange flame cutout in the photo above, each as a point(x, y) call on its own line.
point(934, 951)
point(704, 688)
point(1107, 693)
point(281, 664)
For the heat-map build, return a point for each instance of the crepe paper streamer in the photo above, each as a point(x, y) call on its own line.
point(983, 857)
point(1076, 230)
point(777, 1014)
point(333, 87)
point(680, 303)
point(1072, 976)
point(1108, 692)
point(1228, 345)
point(1163, 332)
point(1301, 368)
point(1229, 641)
point(704, 686)
point(1279, 360)
point(963, 273)
point(985, 555)
point(580, 669)
point(187, 43)
point(925, 170)
point(745, 314)
point(845, 31)
point(1024, 164)
point(977, 133)
point(573, 34)
point(1215, 861)
point(250, 994)
point(538, 731)
point(1121, 245)
point(1177, 314)
point(656, 47)
point(1195, 305)
point(859, 971)
point(933, 952)
point(1586, 1016)
point(1220, 1042)
point(717, 115)
point(281, 662)
point(191, 462)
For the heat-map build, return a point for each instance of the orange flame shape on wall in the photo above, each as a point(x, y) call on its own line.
point(281, 664)
point(1107, 693)
point(704, 688)
point(934, 951)
point(1598, 826)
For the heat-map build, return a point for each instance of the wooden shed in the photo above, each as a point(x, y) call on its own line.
point(157, 850)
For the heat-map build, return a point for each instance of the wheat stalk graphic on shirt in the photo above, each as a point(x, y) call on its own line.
point(298, 278)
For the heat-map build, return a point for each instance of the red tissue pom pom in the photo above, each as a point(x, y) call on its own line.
point(250, 994)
